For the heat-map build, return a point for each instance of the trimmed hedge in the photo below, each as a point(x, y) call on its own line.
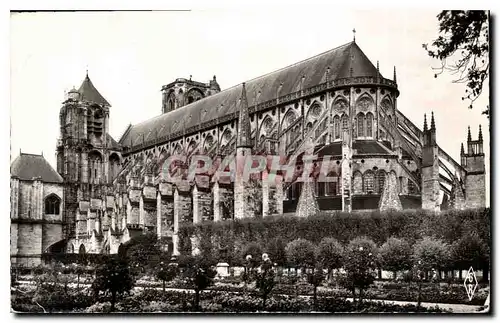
point(225, 239)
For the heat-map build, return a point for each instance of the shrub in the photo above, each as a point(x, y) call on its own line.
point(411, 225)
point(114, 278)
point(99, 308)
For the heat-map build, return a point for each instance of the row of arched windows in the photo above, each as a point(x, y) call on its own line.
point(339, 125)
point(369, 182)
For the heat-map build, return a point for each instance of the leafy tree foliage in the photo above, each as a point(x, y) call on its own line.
point(463, 49)
point(360, 265)
point(470, 250)
point(329, 254)
point(411, 225)
point(114, 278)
point(276, 251)
point(395, 255)
point(430, 253)
point(144, 252)
point(253, 250)
point(301, 253)
point(167, 272)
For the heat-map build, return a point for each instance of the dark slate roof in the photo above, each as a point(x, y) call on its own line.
point(28, 166)
point(340, 60)
point(369, 147)
point(112, 143)
point(89, 93)
point(333, 149)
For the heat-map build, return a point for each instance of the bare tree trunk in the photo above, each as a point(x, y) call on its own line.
point(315, 296)
point(419, 298)
point(196, 299)
point(113, 300)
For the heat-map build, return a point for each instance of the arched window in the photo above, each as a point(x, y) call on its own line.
point(309, 126)
point(368, 182)
point(52, 204)
point(369, 124)
point(331, 188)
point(412, 188)
point(345, 125)
point(114, 167)
point(320, 188)
point(380, 181)
point(361, 120)
point(190, 99)
point(357, 183)
point(336, 126)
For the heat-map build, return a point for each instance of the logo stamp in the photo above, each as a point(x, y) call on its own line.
point(470, 283)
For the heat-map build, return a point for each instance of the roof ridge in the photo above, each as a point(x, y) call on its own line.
point(239, 84)
point(288, 66)
point(30, 154)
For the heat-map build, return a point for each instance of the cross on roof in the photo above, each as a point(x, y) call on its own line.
point(354, 34)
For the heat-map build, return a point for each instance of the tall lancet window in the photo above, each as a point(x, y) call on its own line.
point(336, 127)
point(368, 181)
point(361, 120)
point(344, 122)
point(369, 124)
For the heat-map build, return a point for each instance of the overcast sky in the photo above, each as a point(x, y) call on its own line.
point(130, 55)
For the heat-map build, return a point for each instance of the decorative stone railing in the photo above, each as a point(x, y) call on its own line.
point(332, 84)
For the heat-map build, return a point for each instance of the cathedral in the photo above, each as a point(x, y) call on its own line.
point(336, 107)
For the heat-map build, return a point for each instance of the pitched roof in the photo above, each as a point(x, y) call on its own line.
point(304, 74)
point(89, 93)
point(28, 166)
point(369, 147)
point(112, 142)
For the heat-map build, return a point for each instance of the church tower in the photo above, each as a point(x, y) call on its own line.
point(473, 161)
point(430, 168)
point(243, 153)
point(84, 149)
point(182, 92)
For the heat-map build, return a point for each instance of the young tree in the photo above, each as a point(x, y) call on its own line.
point(276, 251)
point(301, 253)
point(265, 279)
point(463, 49)
point(430, 254)
point(360, 265)
point(144, 252)
point(329, 254)
point(113, 277)
point(199, 272)
point(395, 255)
point(316, 278)
point(167, 272)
